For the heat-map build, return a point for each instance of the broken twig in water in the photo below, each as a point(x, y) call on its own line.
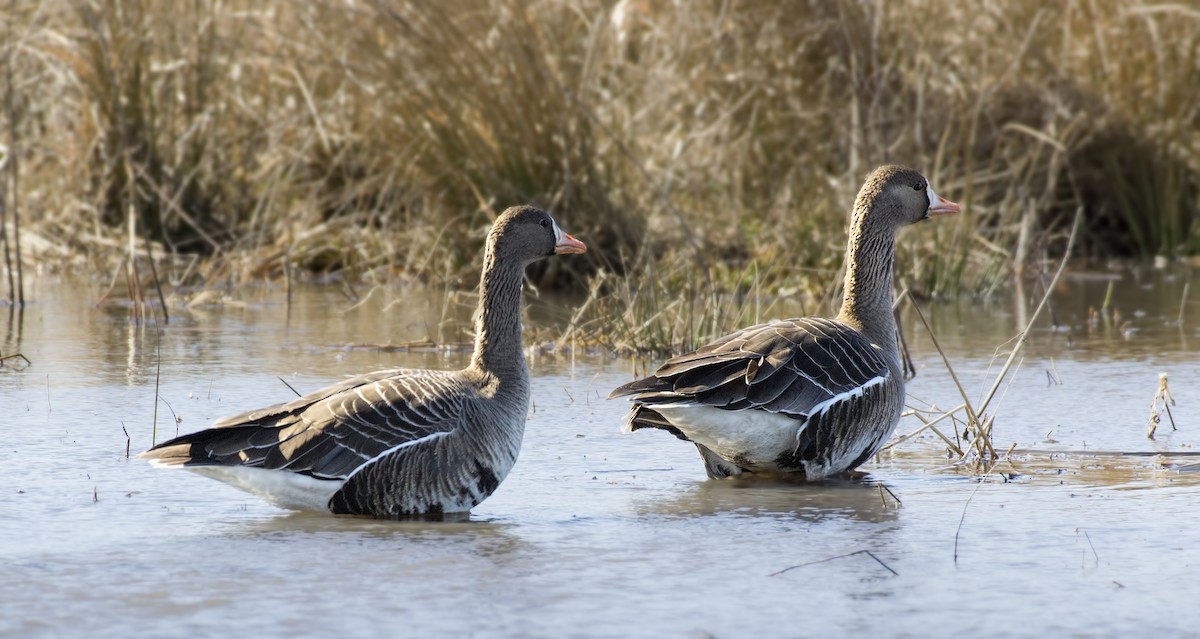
point(979, 423)
point(1164, 394)
point(849, 554)
point(15, 356)
point(889, 491)
point(928, 425)
point(973, 421)
point(1053, 378)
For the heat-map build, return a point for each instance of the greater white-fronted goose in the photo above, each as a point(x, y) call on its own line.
point(399, 442)
point(811, 395)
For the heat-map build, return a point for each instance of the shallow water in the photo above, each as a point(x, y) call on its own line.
point(596, 533)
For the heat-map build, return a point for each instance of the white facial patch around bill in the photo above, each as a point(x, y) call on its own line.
point(934, 198)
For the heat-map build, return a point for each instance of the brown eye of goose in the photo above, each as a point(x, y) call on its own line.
point(918, 187)
point(545, 223)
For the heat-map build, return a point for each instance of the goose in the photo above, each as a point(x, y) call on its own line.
point(811, 396)
point(400, 442)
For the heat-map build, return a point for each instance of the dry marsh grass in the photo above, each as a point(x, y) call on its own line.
point(707, 152)
point(972, 424)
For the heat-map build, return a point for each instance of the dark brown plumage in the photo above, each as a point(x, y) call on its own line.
point(396, 442)
point(812, 396)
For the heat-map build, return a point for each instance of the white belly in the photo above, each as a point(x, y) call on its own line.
point(753, 436)
point(284, 489)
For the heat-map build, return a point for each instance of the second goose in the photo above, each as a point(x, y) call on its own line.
point(811, 395)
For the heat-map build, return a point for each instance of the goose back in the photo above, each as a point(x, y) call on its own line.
point(397, 442)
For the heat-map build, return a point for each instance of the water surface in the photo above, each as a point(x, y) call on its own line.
point(1088, 530)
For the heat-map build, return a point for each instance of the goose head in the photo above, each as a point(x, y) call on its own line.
point(527, 234)
point(895, 196)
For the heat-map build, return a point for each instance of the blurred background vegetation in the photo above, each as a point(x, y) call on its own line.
point(704, 150)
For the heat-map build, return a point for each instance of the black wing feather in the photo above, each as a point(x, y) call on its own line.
point(330, 432)
point(785, 366)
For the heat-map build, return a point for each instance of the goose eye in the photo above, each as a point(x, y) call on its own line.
point(918, 187)
point(545, 223)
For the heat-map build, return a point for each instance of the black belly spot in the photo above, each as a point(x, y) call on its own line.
point(809, 445)
point(793, 460)
point(741, 460)
point(488, 482)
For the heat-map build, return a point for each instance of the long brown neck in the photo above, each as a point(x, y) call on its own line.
point(499, 349)
point(867, 298)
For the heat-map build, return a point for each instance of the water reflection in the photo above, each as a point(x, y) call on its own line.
point(1081, 468)
point(480, 536)
point(305, 522)
point(1121, 470)
point(1142, 313)
point(294, 521)
point(854, 499)
point(12, 332)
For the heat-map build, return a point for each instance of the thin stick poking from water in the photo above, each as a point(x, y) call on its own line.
point(162, 301)
point(174, 417)
point(907, 368)
point(127, 440)
point(157, 378)
point(971, 414)
point(1183, 302)
point(1090, 545)
point(849, 554)
point(14, 175)
point(12, 292)
point(963, 518)
point(133, 278)
point(112, 285)
point(287, 282)
point(889, 491)
point(288, 385)
point(1024, 336)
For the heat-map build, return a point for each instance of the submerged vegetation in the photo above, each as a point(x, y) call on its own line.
point(707, 152)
